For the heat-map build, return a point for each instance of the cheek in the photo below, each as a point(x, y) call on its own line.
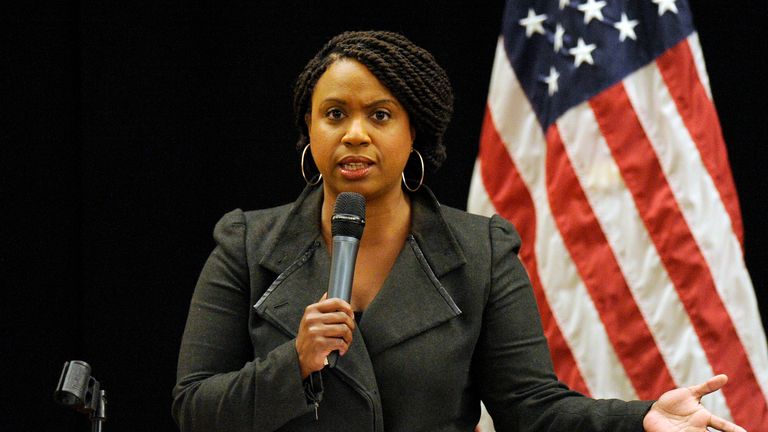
point(321, 142)
point(405, 144)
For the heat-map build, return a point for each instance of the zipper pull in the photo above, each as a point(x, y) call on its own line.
point(317, 405)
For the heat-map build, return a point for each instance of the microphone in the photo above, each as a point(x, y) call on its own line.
point(347, 225)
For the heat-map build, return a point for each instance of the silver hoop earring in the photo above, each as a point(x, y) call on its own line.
point(421, 180)
point(303, 174)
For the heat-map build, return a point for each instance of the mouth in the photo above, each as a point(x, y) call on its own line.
point(353, 163)
point(354, 167)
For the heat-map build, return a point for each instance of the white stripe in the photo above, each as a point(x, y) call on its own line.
point(698, 59)
point(479, 202)
point(566, 294)
point(653, 291)
point(700, 203)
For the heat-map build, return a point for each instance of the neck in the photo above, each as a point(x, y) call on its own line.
point(386, 219)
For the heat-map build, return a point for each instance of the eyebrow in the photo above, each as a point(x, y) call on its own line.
point(376, 102)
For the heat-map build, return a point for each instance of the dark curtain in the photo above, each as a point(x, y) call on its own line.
point(131, 128)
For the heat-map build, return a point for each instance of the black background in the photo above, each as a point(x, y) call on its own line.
point(130, 129)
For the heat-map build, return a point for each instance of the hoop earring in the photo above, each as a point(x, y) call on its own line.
point(303, 174)
point(421, 180)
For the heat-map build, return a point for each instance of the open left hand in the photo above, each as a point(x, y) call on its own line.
point(680, 410)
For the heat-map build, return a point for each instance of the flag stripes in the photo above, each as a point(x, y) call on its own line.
point(586, 243)
point(698, 113)
point(565, 292)
point(631, 234)
point(703, 210)
point(640, 264)
point(513, 202)
point(677, 247)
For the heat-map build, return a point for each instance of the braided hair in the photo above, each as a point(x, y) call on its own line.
point(408, 71)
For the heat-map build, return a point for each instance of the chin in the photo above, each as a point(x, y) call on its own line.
point(370, 190)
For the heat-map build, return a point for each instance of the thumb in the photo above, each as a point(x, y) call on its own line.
point(712, 385)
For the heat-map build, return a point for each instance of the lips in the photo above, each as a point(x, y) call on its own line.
point(354, 167)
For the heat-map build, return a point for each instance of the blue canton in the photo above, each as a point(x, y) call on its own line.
point(598, 44)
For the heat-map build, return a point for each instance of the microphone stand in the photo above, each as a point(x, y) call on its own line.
point(99, 415)
point(79, 390)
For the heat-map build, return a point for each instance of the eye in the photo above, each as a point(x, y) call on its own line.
point(334, 114)
point(381, 115)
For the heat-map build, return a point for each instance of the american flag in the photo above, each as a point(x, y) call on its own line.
point(601, 144)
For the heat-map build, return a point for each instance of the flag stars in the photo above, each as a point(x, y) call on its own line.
point(582, 53)
point(666, 5)
point(532, 23)
point(626, 28)
point(551, 81)
point(564, 3)
point(592, 9)
point(559, 33)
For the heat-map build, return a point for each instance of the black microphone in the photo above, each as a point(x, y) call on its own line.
point(347, 225)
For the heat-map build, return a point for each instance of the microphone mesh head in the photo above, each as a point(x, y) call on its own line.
point(348, 215)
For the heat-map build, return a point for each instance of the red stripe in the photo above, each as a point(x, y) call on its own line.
point(624, 323)
point(680, 254)
point(512, 200)
point(698, 112)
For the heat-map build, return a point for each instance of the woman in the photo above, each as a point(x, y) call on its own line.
point(441, 316)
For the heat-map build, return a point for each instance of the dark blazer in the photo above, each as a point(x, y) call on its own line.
point(455, 322)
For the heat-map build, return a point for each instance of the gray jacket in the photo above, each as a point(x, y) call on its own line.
point(455, 322)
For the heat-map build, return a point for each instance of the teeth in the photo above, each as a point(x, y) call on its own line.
point(353, 166)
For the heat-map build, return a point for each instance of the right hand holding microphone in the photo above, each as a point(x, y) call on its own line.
point(326, 326)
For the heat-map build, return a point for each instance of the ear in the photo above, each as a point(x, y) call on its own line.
point(308, 120)
point(413, 134)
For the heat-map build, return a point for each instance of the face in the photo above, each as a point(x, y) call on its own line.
point(360, 136)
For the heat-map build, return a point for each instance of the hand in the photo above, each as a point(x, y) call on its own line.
point(679, 410)
point(326, 326)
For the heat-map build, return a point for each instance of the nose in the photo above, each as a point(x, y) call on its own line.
point(356, 133)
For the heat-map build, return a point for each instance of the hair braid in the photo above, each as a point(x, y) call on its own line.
point(409, 72)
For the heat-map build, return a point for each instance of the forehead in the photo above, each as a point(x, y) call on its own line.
point(347, 78)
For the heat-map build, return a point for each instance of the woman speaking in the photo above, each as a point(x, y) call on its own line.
point(441, 314)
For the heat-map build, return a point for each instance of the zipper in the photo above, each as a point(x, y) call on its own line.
point(313, 391)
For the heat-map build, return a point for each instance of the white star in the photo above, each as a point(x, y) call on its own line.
point(592, 9)
point(666, 5)
point(551, 81)
point(582, 53)
point(564, 3)
point(532, 23)
point(559, 33)
point(626, 27)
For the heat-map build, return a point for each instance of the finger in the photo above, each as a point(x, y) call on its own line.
point(328, 306)
point(339, 331)
point(325, 296)
point(331, 318)
point(334, 344)
point(320, 346)
point(333, 305)
point(712, 385)
point(724, 425)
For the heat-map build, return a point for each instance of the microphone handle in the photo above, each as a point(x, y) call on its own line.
point(342, 271)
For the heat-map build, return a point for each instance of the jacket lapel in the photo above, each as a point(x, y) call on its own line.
point(411, 302)
point(412, 299)
point(299, 257)
point(283, 306)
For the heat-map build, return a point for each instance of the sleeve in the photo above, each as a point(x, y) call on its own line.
point(220, 386)
point(515, 373)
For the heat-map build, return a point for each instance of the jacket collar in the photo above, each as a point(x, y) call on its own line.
point(302, 227)
point(413, 292)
